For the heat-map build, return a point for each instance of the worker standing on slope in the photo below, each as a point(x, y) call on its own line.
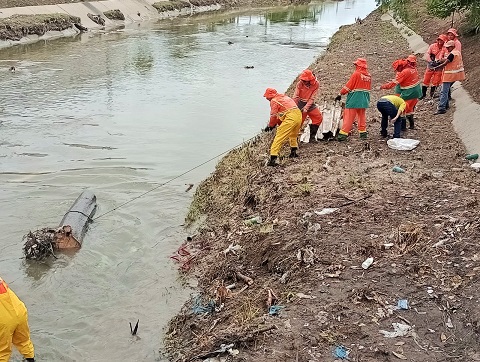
point(284, 113)
point(13, 325)
point(357, 90)
point(306, 91)
point(453, 35)
point(453, 71)
point(433, 77)
point(407, 86)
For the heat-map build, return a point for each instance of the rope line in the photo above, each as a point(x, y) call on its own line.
point(172, 179)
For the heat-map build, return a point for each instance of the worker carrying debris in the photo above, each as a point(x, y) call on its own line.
point(357, 90)
point(284, 113)
point(304, 96)
point(13, 325)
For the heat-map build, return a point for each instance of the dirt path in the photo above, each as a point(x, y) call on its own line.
point(429, 214)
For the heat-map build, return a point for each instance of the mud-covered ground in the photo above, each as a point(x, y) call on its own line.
point(421, 227)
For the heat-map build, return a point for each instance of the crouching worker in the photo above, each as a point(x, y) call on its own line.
point(284, 113)
point(391, 107)
point(13, 325)
point(305, 93)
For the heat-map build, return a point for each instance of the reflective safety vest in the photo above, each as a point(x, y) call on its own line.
point(279, 106)
point(454, 70)
point(408, 86)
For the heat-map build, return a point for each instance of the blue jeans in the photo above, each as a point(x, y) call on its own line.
point(389, 111)
point(443, 102)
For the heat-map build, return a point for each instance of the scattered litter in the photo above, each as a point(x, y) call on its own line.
point(475, 166)
point(340, 352)
point(367, 263)
point(275, 309)
point(449, 323)
point(266, 228)
point(472, 156)
point(429, 290)
point(402, 304)
point(443, 337)
point(283, 278)
point(402, 144)
point(388, 245)
point(200, 308)
point(224, 348)
point(271, 299)
point(326, 211)
point(314, 227)
point(307, 215)
point(399, 330)
point(287, 324)
point(305, 296)
point(398, 169)
point(399, 355)
point(253, 221)
point(306, 255)
point(232, 249)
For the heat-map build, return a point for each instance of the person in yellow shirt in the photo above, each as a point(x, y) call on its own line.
point(13, 325)
point(391, 107)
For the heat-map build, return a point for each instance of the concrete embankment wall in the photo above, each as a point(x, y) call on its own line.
point(133, 10)
point(466, 118)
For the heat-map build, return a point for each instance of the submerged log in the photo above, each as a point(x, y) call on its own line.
point(42, 243)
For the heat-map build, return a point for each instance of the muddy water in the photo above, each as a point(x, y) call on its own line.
point(119, 113)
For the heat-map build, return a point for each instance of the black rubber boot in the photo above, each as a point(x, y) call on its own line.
point(272, 161)
point(424, 91)
point(404, 123)
point(293, 152)
point(411, 121)
point(313, 133)
point(432, 91)
point(384, 133)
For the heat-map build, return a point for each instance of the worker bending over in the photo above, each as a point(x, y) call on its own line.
point(305, 93)
point(391, 107)
point(13, 325)
point(284, 113)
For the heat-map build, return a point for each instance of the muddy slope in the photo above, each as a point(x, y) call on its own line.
point(421, 227)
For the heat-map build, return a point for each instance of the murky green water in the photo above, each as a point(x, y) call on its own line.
point(120, 113)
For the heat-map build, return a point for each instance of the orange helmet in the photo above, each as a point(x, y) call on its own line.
point(453, 31)
point(307, 75)
point(361, 62)
point(270, 93)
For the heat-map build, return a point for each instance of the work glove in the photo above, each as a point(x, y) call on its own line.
point(30, 359)
point(338, 98)
point(432, 57)
point(268, 129)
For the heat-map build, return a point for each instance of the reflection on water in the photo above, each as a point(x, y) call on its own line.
point(119, 113)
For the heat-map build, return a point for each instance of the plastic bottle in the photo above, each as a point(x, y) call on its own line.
point(398, 169)
point(366, 264)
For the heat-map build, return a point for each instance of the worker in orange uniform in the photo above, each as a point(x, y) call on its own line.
point(434, 55)
point(306, 91)
point(407, 86)
point(357, 90)
point(453, 35)
point(452, 71)
point(13, 325)
point(284, 113)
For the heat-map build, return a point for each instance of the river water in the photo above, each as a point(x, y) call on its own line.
point(120, 113)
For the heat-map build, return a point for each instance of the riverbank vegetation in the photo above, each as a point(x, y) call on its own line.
point(301, 231)
point(18, 26)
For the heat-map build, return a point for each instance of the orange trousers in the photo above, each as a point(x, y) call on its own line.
point(432, 78)
point(350, 115)
point(315, 115)
point(411, 103)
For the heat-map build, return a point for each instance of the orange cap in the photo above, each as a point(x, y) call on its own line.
point(361, 62)
point(453, 31)
point(412, 58)
point(449, 43)
point(442, 37)
point(399, 63)
point(270, 93)
point(307, 75)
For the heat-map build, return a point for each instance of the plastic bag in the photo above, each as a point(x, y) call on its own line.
point(402, 144)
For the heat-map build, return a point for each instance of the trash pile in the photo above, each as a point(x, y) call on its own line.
point(39, 244)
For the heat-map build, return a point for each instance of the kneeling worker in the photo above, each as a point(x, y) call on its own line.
point(285, 113)
point(305, 93)
point(391, 107)
point(13, 325)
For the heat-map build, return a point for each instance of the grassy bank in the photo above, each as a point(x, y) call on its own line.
point(18, 26)
point(428, 217)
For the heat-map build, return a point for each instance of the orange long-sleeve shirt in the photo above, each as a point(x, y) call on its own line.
point(279, 105)
point(304, 96)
